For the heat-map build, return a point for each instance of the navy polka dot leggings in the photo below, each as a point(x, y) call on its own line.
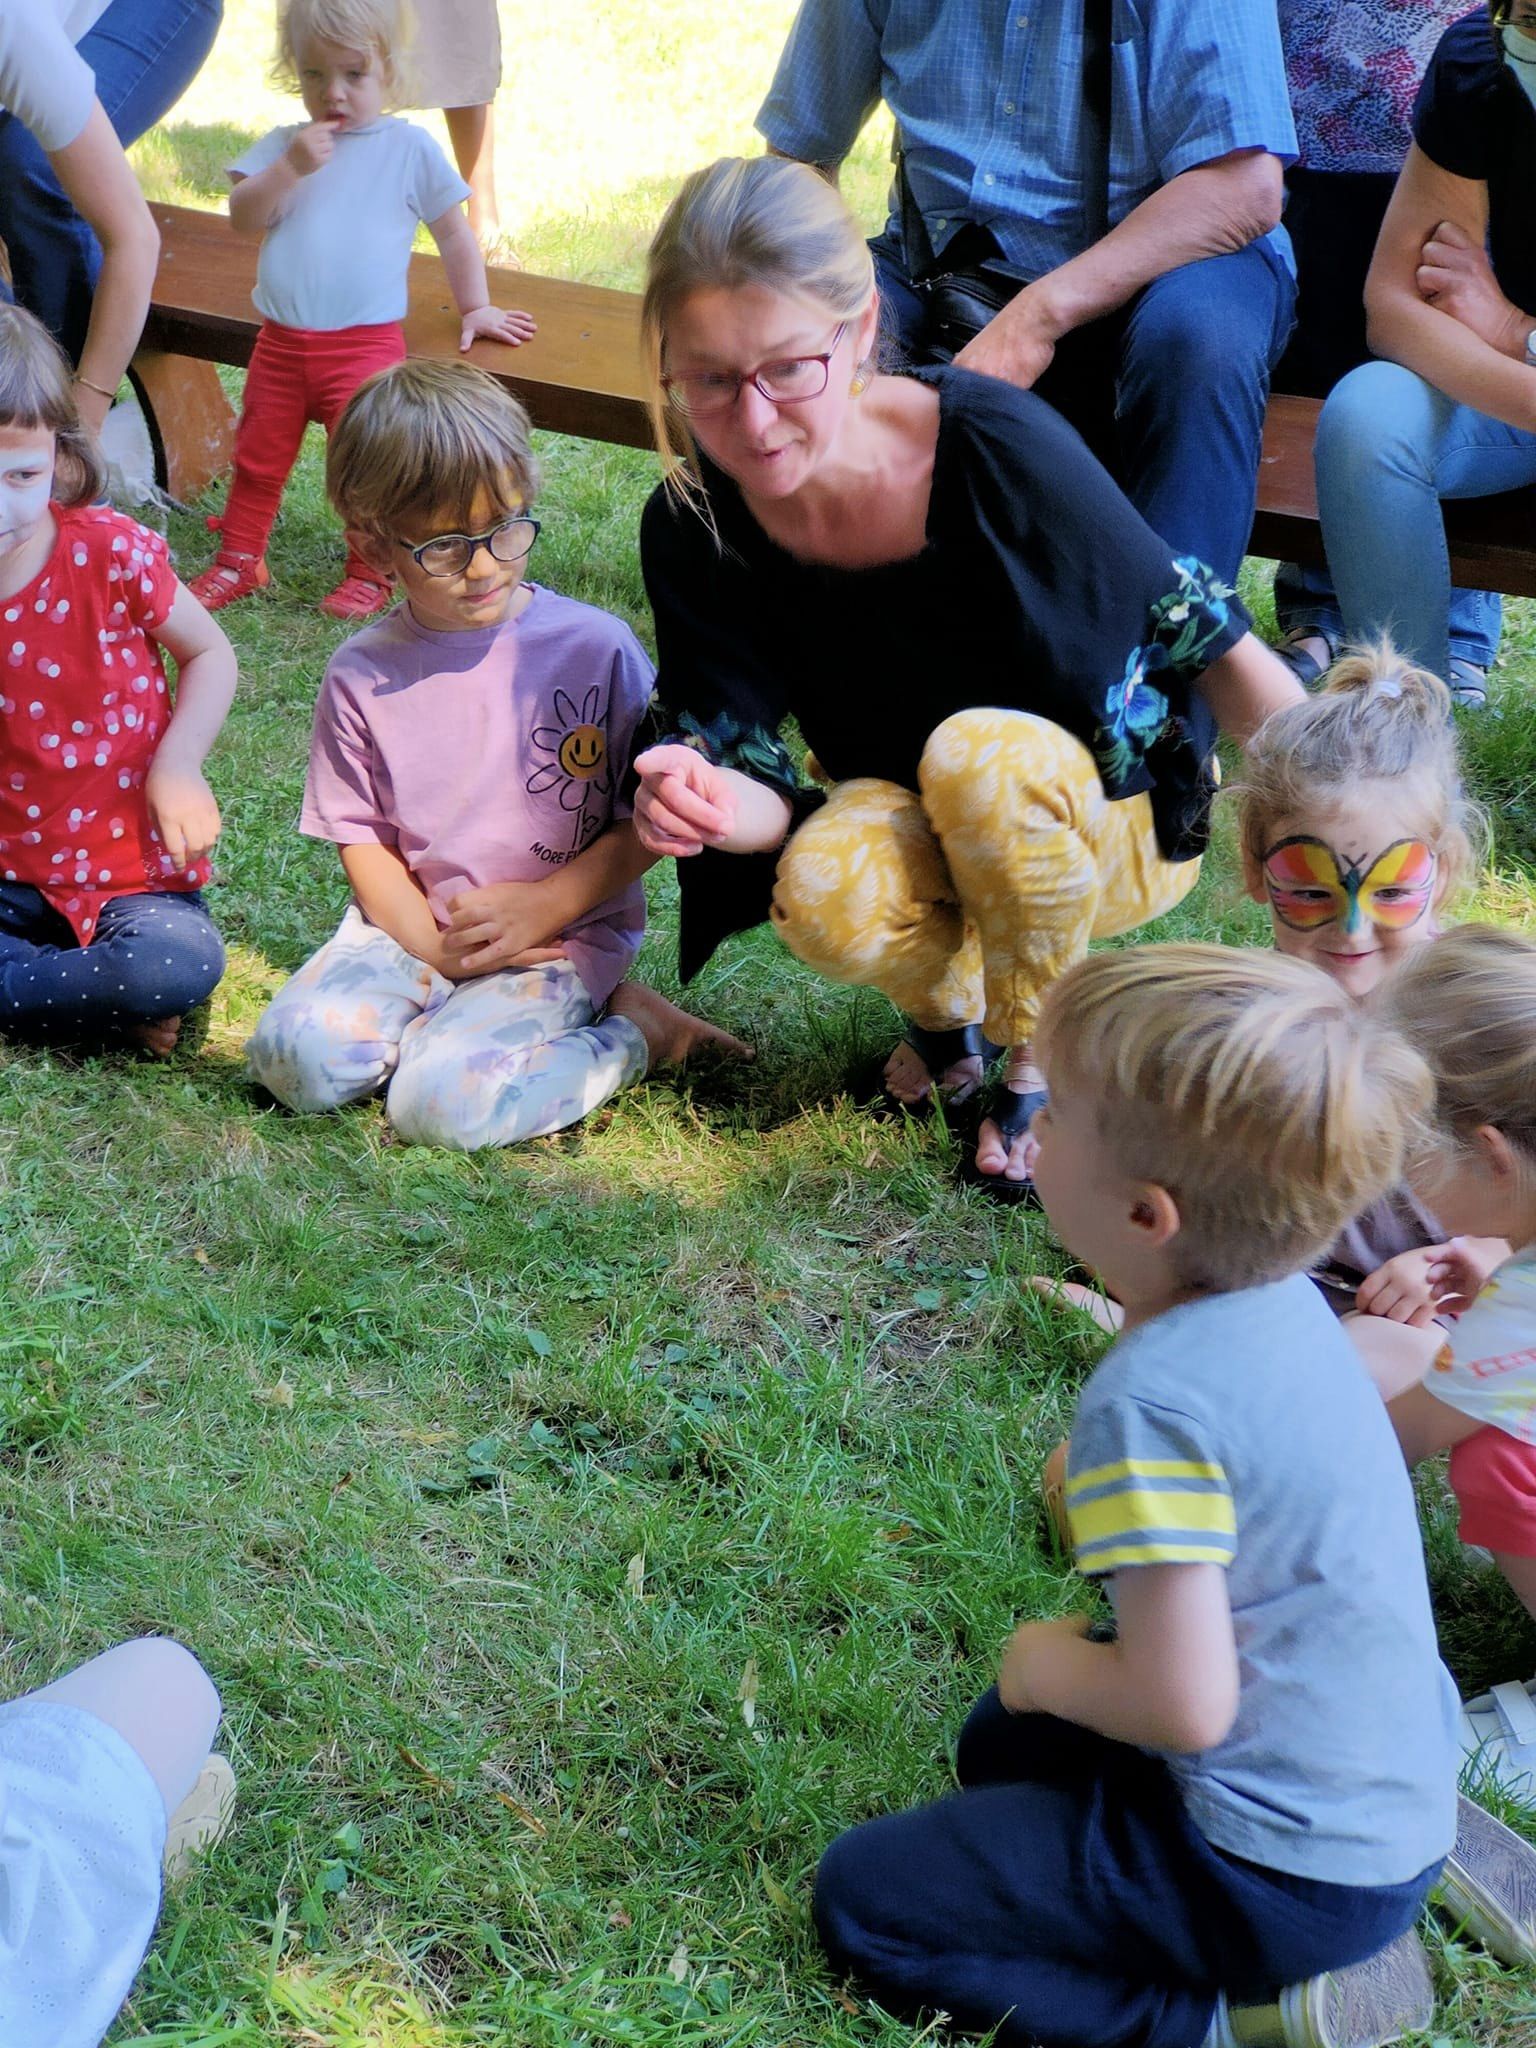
point(153, 956)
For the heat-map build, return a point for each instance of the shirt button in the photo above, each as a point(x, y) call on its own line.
point(988, 179)
point(1022, 21)
point(1008, 107)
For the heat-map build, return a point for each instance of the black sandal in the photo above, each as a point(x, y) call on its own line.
point(1012, 1111)
point(938, 1051)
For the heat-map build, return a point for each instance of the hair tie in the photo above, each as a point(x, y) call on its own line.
point(1386, 686)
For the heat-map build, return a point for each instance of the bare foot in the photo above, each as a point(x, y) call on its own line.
point(1013, 1159)
point(670, 1034)
point(157, 1037)
point(908, 1081)
point(1109, 1315)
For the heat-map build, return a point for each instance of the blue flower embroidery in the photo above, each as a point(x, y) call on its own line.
point(1182, 626)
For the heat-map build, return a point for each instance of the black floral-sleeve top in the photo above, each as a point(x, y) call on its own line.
point(1038, 589)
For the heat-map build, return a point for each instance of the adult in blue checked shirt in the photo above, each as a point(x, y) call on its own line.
point(1108, 173)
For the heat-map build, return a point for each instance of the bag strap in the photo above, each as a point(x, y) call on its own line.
point(1097, 117)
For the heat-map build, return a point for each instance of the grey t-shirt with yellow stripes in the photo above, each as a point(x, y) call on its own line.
point(1241, 1430)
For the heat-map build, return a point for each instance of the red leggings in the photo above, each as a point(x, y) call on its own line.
point(297, 374)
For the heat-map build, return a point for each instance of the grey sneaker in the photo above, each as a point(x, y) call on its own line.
point(1366, 2006)
point(1489, 1886)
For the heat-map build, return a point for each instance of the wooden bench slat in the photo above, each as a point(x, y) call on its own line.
point(580, 374)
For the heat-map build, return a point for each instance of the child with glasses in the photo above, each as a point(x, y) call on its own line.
point(468, 760)
point(336, 200)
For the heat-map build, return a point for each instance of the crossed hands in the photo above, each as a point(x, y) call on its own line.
point(684, 802)
point(504, 925)
point(1454, 276)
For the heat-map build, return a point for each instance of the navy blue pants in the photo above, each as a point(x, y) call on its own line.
point(1064, 1897)
point(153, 956)
point(145, 53)
point(1169, 392)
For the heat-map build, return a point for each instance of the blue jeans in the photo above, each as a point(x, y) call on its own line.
point(1065, 1897)
point(1305, 602)
point(1389, 448)
point(145, 53)
point(153, 956)
point(1169, 392)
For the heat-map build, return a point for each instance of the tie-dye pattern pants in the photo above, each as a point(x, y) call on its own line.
point(968, 899)
point(466, 1063)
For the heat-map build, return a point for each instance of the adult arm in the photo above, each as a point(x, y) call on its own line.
point(181, 806)
point(1214, 209)
point(1462, 341)
point(1244, 685)
point(827, 84)
point(99, 183)
point(1169, 1681)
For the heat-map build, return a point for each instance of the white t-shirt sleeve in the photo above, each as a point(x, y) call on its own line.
point(261, 155)
point(435, 184)
point(1487, 1367)
point(44, 81)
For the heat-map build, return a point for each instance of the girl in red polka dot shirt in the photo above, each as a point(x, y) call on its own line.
point(106, 822)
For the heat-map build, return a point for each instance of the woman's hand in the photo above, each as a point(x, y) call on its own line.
point(684, 803)
point(1454, 276)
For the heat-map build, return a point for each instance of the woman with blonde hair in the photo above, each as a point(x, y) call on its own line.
point(1011, 684)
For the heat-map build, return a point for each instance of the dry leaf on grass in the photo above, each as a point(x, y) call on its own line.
point(677, 1969)
point(634, 1575)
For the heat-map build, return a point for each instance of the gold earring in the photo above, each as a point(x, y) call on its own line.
point(860, 381)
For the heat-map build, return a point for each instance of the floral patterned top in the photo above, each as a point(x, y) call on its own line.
point(1354, 67)
point(1038, 588)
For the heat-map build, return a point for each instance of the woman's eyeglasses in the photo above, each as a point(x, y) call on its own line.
point(450, 554)
point(790, 382)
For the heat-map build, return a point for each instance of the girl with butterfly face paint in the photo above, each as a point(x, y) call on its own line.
point(1355, 835)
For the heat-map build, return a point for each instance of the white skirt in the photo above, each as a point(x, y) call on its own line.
point(456, 58)
point(82, 1831)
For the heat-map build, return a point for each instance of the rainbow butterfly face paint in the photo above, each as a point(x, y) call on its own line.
point(1309, 886)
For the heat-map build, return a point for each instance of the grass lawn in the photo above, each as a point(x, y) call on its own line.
point(580, 1536)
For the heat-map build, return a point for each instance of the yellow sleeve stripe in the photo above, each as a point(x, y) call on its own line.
point(1118, 1514)
point(1117, 1558)
point(1145, 1468)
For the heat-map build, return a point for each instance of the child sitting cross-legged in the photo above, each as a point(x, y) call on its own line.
point(1220, 1827)
point(467, 761)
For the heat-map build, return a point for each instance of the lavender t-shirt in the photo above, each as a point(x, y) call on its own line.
point(486, 756)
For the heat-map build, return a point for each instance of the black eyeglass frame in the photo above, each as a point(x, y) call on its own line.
point(673, 385)
point(474, 542)
point(1501, 15)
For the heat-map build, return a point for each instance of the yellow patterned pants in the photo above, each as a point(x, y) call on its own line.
point(970, 898)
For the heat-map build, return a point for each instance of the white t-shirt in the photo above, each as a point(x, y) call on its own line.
point(338, 255)
point(44, 81)
point(1487, 1366)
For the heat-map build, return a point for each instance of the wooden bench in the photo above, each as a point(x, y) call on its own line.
point(580, 374)
point(1492, 540)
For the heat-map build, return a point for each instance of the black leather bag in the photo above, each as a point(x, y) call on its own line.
point(960, 302)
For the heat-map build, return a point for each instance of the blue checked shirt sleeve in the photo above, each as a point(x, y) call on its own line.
point(1215, 82)
point(828, 81)
point(1144, 1488)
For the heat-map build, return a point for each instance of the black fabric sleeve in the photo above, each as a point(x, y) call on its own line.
point(717, 691)
point(1453, 121)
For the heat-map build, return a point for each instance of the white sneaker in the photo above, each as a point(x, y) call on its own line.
point(1498, 1738)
